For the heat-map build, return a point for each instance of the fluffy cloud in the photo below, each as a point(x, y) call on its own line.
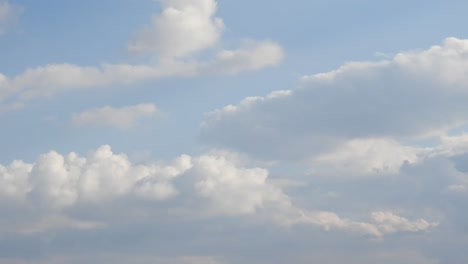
point(221, 186)
point(184, 27)
point(124, 117)
point(209, 203)
point(235, 190)
point(8, 13)
point(414, 95)
point(59, 181)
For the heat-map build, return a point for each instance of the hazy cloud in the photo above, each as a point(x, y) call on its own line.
point(124, 117)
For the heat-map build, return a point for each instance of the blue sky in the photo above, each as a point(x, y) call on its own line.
point(204, 131)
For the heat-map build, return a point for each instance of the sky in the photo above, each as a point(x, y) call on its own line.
point(233, 132)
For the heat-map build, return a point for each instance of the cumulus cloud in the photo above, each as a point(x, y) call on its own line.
point(124, 117)
point(59, 181)
point(414, 95)
point(8, 14)
point(183, 28)
point(235, 190)
point(221, 186)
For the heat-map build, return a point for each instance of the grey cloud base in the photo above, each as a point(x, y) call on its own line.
point(412, 96)
point(103, 195)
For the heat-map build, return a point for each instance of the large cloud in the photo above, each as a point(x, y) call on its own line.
point(413, 95)
point(221, 186)
point(184, 28)
point(199, 201)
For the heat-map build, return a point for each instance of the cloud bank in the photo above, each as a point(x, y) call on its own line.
point(55, 184)
point(414, 95)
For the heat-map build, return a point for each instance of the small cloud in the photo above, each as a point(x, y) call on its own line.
point(9, 13)
point(123, 118)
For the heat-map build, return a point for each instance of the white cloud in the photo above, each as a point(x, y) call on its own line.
point(235, 190)
point(59, 181)
point(215, 185)
point(367, 156)
point(372, 156)
point(382, 223)
point(414, 95)
point(124, 117)
point(52, 79)
point(388, 222)
point(252, 56)
point(8, 14)
point(183, 28)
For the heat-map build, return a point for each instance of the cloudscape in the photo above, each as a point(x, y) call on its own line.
point(233, 132)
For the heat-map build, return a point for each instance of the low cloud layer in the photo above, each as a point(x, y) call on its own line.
point(220, 185)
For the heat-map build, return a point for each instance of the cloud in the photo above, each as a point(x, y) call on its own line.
point(388, 222)
point(235, 190)
point(51, 79)
point(124, 117)
point(8, 14)
point(212, 184)
point(252, 56)
point(412, 96)
point(211, 205)
point(59, 181)
point(183, 28)
point(384, 156)
point(382, 223)
point(360, 157)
